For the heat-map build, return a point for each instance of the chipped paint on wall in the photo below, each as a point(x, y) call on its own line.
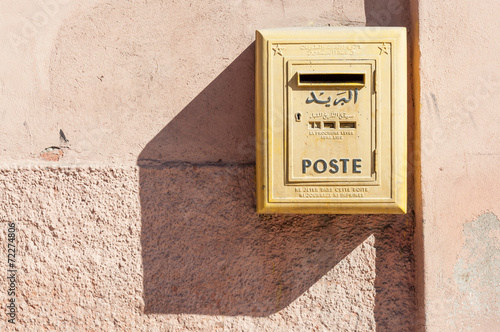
point(477, 271)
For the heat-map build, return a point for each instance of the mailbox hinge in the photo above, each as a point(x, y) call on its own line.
point(375, 161)
point(374, 81)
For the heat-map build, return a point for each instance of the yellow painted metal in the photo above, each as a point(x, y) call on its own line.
point(331, 120)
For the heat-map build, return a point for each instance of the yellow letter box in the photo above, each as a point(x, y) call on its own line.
point(331, 120)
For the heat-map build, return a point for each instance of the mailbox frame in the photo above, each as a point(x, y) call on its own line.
point(348, 44)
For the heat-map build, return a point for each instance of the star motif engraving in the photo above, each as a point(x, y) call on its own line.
point(383, 49)
point(278, 50)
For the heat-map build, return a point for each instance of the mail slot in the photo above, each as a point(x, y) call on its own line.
point(331, 79)
point(331, 120)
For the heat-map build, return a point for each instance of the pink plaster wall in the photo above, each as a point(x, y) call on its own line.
point(460, 157)
point(127, 141)
point(117, 248)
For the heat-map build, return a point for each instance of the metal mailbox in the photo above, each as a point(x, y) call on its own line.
point(331, 120)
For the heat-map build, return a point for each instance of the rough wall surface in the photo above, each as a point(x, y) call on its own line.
point(121, 249)
point(127, 141)
point(460, 144)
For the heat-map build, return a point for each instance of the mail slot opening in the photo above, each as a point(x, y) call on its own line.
point(329, 125)
point(329, 79)
point(347, 125)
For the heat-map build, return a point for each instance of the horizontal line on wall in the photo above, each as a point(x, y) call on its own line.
point(157, 164)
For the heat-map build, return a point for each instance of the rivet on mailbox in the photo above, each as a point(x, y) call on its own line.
point(331, 120)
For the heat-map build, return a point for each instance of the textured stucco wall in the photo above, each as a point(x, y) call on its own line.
point(117, 248)
point(460, 157)
point(127, 141)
